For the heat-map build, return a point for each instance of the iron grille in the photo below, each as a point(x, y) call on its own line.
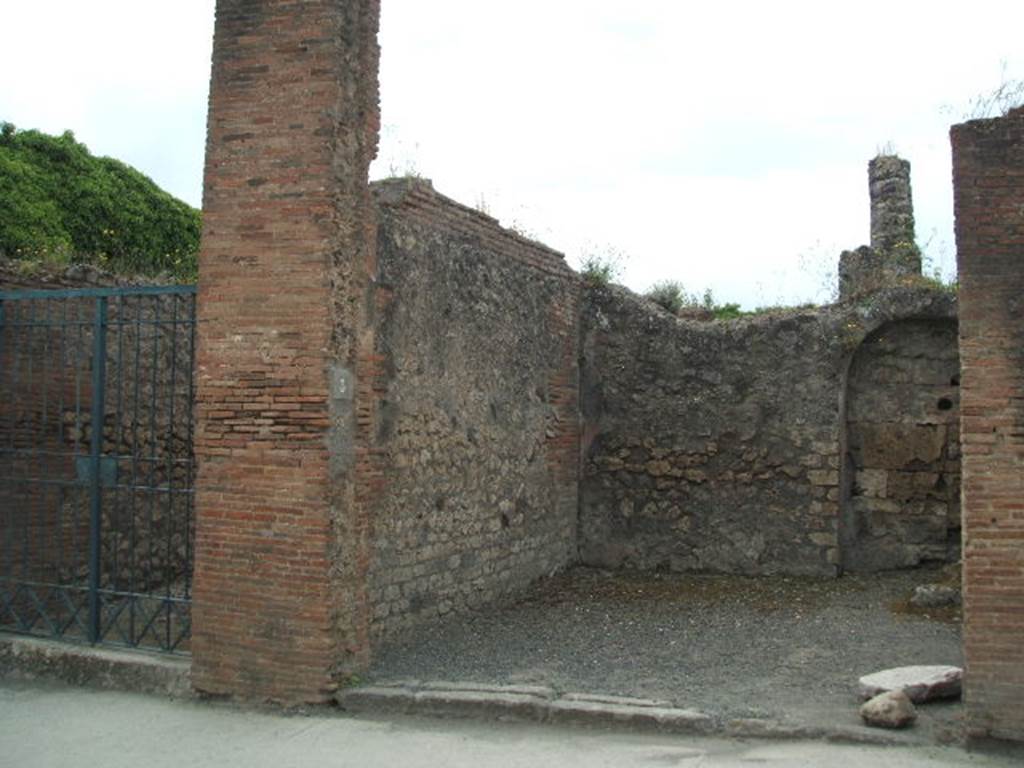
point(96, 465)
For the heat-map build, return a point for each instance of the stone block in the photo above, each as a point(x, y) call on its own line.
point(919, 683)
point(605, 713)
point(872, 483)
point(823, 477)
point(897, 446)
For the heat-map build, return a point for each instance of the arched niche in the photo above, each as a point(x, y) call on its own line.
point(901, 474)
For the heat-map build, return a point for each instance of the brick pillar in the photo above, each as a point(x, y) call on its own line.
point(285, 268)
point(988, 173)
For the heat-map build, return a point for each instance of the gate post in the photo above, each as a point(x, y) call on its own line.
point(99, 407)
point(284, 344)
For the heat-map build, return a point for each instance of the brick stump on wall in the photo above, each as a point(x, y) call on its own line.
point(285, 362)
point(988, 172)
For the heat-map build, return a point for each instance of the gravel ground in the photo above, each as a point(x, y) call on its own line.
point(790, 649)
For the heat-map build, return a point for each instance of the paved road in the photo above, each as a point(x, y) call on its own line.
point(57, 726)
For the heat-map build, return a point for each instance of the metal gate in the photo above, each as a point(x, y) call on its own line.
point(97, 465)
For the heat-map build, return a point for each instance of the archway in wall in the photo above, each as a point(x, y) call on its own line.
point(901, 497)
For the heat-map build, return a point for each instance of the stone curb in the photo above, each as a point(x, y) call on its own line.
point(31, 659)
point(540, 704)
point(24, 658)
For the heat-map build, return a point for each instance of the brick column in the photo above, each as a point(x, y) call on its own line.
point(285, 268)
point(988, 173)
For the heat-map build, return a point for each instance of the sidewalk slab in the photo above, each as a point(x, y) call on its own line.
point(27, 658)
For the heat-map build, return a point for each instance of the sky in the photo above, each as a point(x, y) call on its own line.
point(723, 145)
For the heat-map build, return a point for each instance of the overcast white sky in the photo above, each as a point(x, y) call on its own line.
point(722, 144)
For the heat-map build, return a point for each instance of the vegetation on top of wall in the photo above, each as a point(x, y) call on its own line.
point(888, 149)
point(934, 279)
point(728, 311)
point(934, 282)
point(602, 268)
point(673, 297)
point(769, 309)
point(1006, 96)
point(998, 102)
point(669, 295)
point(60, 204)
point(931, 277)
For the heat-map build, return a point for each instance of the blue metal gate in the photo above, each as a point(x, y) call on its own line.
point(97, 465)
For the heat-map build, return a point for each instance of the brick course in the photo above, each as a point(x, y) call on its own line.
point(283, 267)
point(988, 172)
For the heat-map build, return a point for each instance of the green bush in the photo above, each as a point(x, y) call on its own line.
point(728, 311)
point(60, 203)
point(670, 295)
point(596, 270)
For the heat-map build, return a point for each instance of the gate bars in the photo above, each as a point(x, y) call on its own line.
point(96, 465)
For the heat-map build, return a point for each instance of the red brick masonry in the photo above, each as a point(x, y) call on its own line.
point(988, 171)
point(281, 262)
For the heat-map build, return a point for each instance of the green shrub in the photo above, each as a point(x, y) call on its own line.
point(601, 268)
point(728, 311)
point(670, 295)
point(673, 297)
point(60, 203)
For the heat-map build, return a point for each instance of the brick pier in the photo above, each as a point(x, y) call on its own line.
point(285, 266)
point(988, 170)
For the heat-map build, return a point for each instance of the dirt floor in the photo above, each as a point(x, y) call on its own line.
point(788, 649)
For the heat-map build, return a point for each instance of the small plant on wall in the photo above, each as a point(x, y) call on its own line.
point(671, 296)
point(602, 267)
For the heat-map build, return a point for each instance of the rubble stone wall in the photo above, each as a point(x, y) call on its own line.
point(478, 423)
point(720, 446)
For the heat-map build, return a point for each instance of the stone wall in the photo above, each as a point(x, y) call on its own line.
point(719, 446)
point(892, 214)
point(902, 411)
point(893, 257)
point(26, 276)
point(478, 409)
point(988, 173)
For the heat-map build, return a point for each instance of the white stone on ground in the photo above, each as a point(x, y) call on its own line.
point(921, 684)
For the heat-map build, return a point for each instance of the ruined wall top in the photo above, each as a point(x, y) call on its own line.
point(892, 213)
point(418, 199)
point(893, 255)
